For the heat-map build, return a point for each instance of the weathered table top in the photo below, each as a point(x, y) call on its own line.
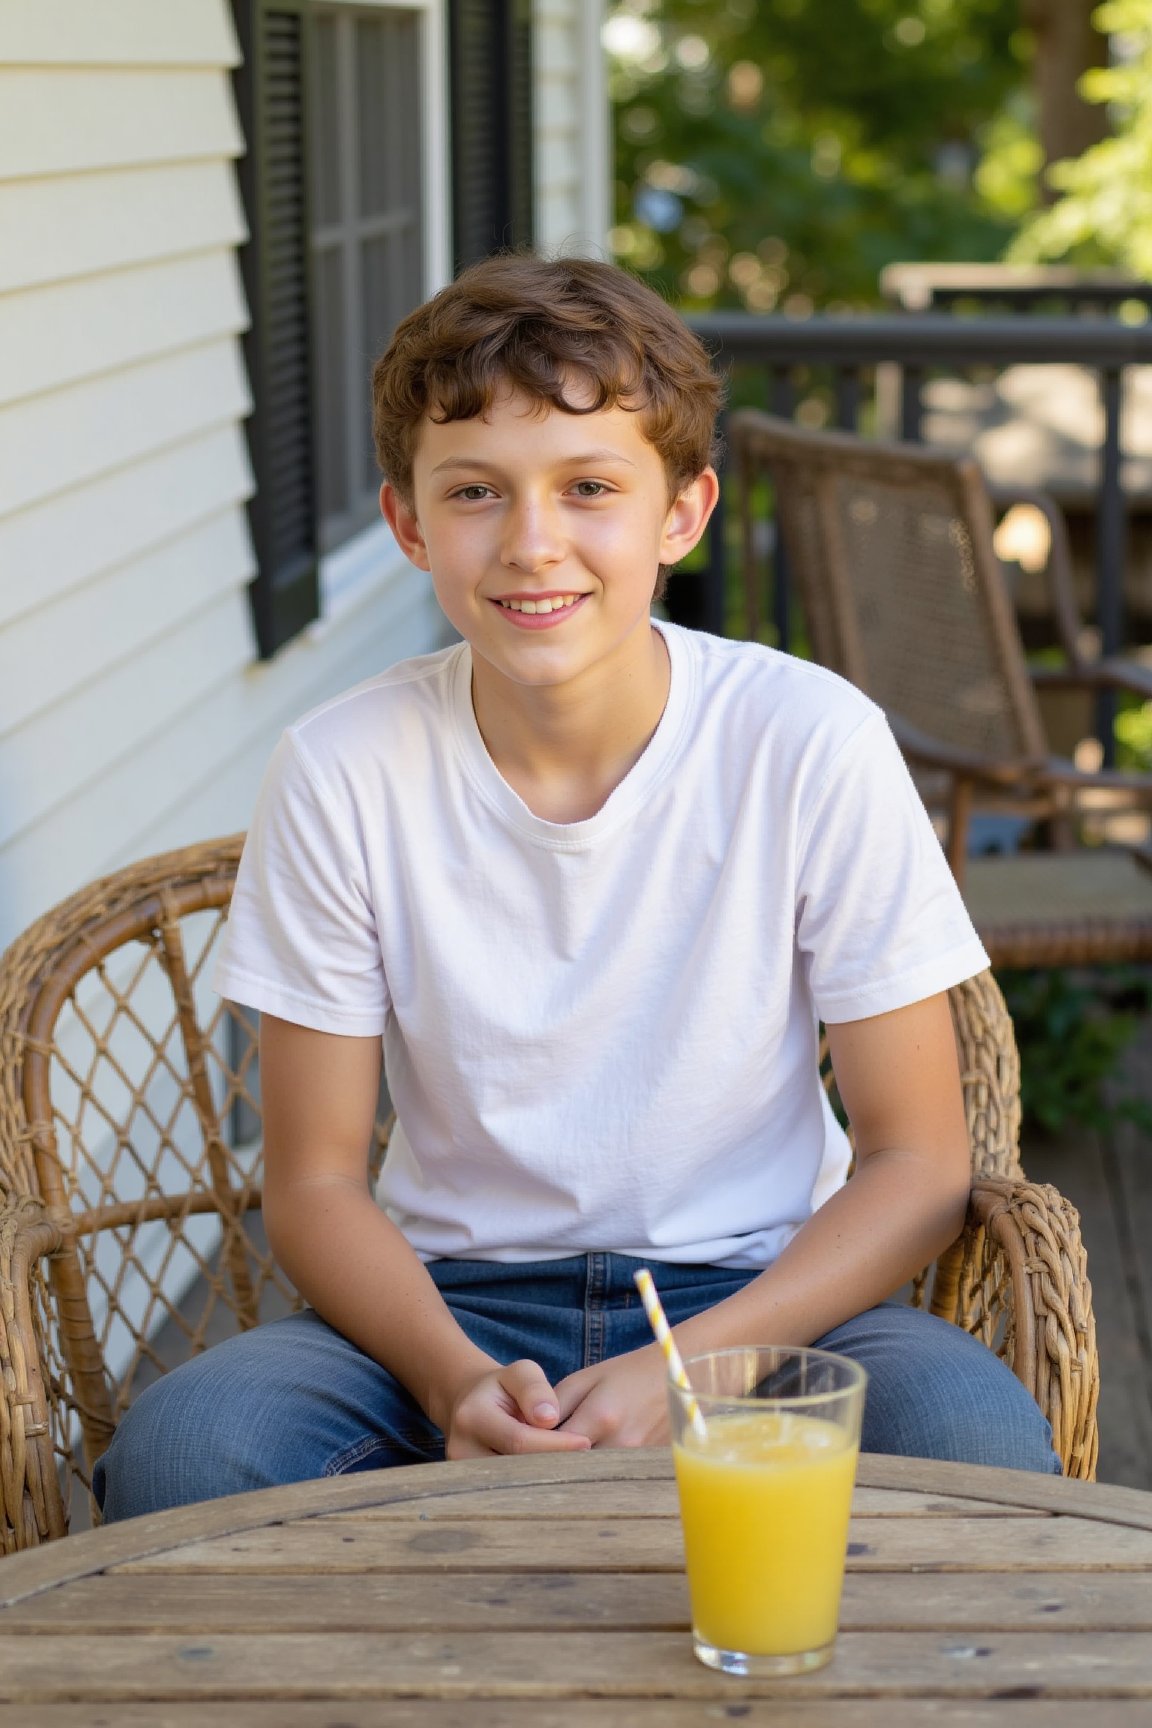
point(549, 1593)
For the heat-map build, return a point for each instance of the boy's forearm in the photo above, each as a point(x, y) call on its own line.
point(893, 1218)
point(357, 1270)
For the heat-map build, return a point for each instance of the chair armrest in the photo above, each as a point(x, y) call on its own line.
point(1020, 772)
point(1059, 772)
point(31, 1505)
point(1112, 674)
point(1031, 775)
point(1017, 1278)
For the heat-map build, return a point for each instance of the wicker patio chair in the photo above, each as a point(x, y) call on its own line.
point(129, 1167)
point(889, 547)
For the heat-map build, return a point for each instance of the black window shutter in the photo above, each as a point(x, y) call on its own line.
point(490, 51)
point(271, 97)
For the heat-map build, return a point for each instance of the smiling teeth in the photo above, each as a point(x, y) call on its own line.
point(540, 605)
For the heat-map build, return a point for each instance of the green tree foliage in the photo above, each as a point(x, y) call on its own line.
point(1073, 1029)
point(1105, 214)
point(778, 153)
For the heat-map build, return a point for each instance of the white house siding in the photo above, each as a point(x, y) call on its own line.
point(573, 179)
point(133, 712)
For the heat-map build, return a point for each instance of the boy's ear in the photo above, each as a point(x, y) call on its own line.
point(688, 517)
point(401, 518)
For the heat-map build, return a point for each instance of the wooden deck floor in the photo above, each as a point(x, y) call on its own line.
point(1108, 1177)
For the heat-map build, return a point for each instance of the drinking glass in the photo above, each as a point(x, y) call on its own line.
point(765, 1447)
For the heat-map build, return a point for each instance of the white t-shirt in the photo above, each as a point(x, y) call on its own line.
point(599, 1035)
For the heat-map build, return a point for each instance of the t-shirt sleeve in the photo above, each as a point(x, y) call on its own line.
point(880, 922)
point(301, 939)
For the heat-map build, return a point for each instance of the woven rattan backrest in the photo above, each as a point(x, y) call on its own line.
point(128, 1104)
point(889, 547)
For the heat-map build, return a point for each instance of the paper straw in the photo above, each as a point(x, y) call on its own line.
point(659, 1322)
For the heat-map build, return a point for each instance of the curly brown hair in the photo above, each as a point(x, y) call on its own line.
point(534, 324)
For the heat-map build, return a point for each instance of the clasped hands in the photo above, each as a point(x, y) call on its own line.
point(514, 1409)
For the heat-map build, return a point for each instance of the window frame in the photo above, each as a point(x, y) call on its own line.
point(339, 238)
point(370, 557)
point(304, 591)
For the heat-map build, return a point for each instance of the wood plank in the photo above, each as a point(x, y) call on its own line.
point(641, 1544)
point(45, 1568)
point(74, 225)
point(546, 1665)
point(1130, 1149)
point(94, 1551)
point(367, 1602)
point(1076, 1164)
point(73, 119)
point(608, 1713)
point(75, 32)
point(1013, 1489)
point(546, 1500)
point(654, 1500)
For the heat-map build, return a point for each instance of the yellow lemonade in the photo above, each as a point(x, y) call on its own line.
point(764, 1502)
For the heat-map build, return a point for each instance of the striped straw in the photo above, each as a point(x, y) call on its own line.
point(659, 1322)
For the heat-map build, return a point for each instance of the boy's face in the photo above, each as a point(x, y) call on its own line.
point(543, 533)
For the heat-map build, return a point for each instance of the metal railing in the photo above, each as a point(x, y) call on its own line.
point(770, 361)
point(1060, 288)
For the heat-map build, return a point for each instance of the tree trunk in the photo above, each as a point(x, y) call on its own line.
point(1066, 46)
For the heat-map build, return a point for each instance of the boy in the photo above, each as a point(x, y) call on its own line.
point(593, 882)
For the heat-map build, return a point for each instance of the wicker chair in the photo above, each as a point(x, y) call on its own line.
point(890, 549)
point(129, 1169)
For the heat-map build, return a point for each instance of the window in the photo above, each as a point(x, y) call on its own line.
point(333, 103)
point(346, 183)
point(366, 237)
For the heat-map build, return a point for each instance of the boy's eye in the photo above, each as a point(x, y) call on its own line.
point(589, 488)
point(474, 491)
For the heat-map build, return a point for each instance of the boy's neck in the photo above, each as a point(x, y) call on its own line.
point(565, 748)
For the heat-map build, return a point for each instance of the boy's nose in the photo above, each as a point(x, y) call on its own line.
point(532, 540)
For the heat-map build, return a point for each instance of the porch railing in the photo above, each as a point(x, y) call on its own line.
point(1060, 289)
point(772, 361)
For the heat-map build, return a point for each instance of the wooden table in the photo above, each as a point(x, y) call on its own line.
point(535, 1593)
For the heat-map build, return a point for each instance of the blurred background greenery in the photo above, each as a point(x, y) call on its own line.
point(775, 155)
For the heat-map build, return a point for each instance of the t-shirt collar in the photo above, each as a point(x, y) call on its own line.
point(647, 772)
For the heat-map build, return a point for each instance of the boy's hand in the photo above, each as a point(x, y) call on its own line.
point(622, 1402)
point(507, 1410)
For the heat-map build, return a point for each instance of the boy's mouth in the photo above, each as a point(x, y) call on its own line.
point(540, 611)
point(544, 603)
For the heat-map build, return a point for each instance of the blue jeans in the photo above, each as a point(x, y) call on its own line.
point(294, 1399)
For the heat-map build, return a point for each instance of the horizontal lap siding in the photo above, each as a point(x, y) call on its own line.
point(57, 228)
point(116, 32)
point(112, 118)
point(198, 776)
point(132, 714)
point(571, 205)
point(62, 332)
point(74, 537)
point(75, 433)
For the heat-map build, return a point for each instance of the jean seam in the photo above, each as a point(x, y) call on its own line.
point(338, 1465)
point(593, 1309)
